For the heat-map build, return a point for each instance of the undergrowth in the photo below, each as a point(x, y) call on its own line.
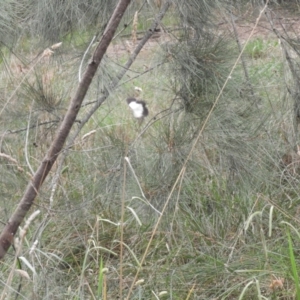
point(127, 213)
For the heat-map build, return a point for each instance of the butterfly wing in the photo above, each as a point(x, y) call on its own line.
point(137, 108)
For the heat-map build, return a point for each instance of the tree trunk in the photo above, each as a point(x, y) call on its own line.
point(9, 231)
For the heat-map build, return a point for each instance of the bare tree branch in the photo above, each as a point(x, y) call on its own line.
point(30, 127)
point(9, 231)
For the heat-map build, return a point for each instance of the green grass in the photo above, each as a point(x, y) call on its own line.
point(221, 236)
point(260, 48)
point(294, 267)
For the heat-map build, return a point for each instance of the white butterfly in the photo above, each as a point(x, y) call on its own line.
point(138, 107)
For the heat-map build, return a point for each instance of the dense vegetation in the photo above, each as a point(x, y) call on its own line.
point(200, 201)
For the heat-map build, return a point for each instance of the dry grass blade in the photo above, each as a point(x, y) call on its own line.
point(134, 29)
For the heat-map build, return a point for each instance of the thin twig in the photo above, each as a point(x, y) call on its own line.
point(84, 55)
point(30, 127)
point(124, 82)
point(120, 32)
point(26, 145)
point(137, 180)
point(154, 119)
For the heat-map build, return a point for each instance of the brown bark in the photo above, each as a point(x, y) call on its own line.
point(9, 231)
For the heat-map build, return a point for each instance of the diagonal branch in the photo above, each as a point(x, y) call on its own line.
point(9, 231)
